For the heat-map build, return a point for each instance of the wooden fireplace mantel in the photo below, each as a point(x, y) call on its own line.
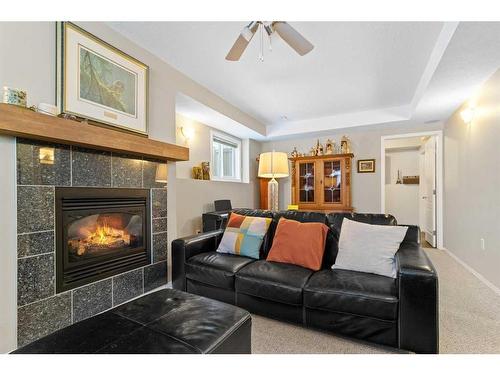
point(22, 122)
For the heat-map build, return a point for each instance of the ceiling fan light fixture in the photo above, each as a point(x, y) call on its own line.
point(247, 32)
point(291, 36)
point(268, 26)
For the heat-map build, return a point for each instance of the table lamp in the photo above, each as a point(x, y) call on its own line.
point(273, 165)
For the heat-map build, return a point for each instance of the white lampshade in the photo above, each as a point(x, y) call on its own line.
point(273, 164)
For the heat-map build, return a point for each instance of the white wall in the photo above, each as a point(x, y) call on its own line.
point(197, 196)
point(402, 200)
point(199, 144)
point(471, 184)
point(366, 144)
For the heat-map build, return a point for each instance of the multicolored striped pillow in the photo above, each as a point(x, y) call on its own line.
point(244, 235)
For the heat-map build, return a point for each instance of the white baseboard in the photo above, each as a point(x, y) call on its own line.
point(481, 278)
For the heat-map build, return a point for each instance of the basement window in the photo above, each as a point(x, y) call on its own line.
point(226, 157)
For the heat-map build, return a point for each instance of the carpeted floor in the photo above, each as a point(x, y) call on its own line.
point(469, 320)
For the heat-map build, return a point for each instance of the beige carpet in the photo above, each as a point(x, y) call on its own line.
point(469, 320)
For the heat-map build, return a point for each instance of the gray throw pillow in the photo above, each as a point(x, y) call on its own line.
point(369, 248)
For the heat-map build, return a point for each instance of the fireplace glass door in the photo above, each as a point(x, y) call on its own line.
point(92, 235)
point(100, 233)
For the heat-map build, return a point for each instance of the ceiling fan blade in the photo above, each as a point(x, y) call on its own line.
point(294, 39)
point(237, 49)
point(241, 43)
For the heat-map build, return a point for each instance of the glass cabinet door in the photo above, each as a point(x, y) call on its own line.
point(306, 182)
point(332, 184)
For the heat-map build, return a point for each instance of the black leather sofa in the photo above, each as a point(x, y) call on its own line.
point(401, 312)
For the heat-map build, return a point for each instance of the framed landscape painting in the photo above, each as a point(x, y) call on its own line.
point(96, 81)
point(366, 166)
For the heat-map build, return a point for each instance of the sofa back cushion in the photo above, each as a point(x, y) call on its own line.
point(302, 244)
point(301, 216)
point(334, 221)
point(412, 235)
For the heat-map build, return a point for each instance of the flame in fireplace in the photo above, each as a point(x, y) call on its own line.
point(103, 237)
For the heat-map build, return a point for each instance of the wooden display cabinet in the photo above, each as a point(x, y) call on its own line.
point(322, 183)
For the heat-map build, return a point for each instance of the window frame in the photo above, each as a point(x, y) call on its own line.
point(237, 158)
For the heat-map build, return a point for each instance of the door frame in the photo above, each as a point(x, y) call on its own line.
point(439, 175)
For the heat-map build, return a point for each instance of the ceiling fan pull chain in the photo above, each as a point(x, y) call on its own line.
point(261, 53)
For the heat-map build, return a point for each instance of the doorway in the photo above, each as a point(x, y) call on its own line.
point(411, 182)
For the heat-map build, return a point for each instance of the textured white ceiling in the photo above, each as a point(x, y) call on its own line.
point(359, 73)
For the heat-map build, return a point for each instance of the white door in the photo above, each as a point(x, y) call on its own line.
point(421, 188)
point(429, 190)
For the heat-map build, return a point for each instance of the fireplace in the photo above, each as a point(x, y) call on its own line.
point(100, 233)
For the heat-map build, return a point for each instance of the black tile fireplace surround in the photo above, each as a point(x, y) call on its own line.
point(100, 232)
point(41, 308)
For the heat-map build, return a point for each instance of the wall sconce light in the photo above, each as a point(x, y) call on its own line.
point(468, 115)
point(161, 173)
point(46, 155)
point(187, 133)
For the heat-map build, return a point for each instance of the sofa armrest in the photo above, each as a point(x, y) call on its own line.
point(186, 247)
point(214, 220)
point(418, 321)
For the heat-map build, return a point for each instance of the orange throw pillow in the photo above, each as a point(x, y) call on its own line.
point(302, 244)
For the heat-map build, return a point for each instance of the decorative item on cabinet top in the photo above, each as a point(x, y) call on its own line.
point(345, 145)
point(319, 149)
point(330, 148)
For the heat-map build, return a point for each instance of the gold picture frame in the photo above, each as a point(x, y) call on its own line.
point(99, 82)
point(366, 166)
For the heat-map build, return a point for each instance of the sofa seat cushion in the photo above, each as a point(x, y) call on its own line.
point(274, 281)
point(215, 269)
point(352, 292)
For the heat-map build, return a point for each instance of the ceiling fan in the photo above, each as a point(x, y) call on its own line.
point(291, 36)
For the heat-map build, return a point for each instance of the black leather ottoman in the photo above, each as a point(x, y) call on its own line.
point(166, 321)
